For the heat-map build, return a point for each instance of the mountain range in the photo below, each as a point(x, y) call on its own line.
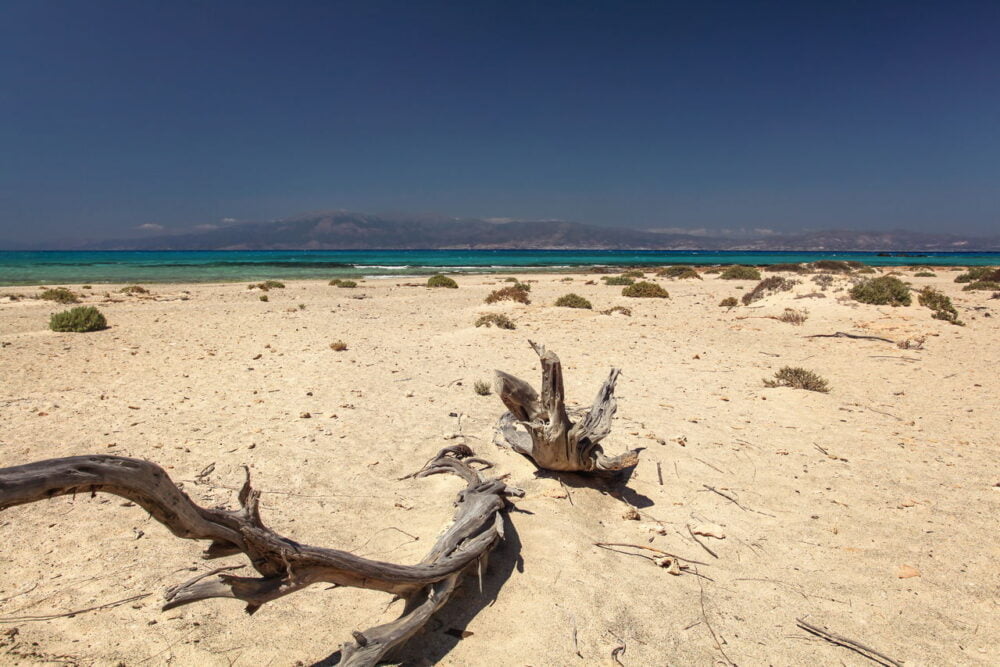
point(340, 230)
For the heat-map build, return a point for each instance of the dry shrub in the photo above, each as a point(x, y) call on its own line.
point(498, 320)
point(134, 289)
point(767, 287)
point(645, 290)
point(792, 316)
point(59, 295)
point(516, 292)
point(985, 285)
point(617, 280)
point(788, 268)
point(977, 273)
point(482, 388)
point(882, 291)
point(915, 343)
point(811, 295)
point(679, 272)
point(729, 302)
point(798, 378)
point(940, 304)
point(740, 273)
point(627, 312)
point(338, 346)
point(573, 301)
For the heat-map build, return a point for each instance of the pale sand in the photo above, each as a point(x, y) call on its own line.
point(910, 480)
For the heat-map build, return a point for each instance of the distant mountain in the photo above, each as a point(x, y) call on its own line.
point(356, 231)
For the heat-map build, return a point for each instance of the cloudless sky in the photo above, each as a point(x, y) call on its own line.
point(717, 115)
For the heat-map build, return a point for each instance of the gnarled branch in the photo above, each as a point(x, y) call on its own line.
point(550, 439)
point(284, 565)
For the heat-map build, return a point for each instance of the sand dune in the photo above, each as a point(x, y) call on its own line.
point(843, 497)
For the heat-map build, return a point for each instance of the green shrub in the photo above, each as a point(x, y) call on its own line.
point(441, 281)
point(882, 291)
point(515, 292)
point(627, 312)
point(335, 282)
point(768, 286)
point(790, 268)
point(634, 273)
point(497, 320)
point(59, 295)
point(263, 297)
point(714, 269)
point(798, 378)
point(573, 301)
point(925, 274)
point(942, 306)
point(511, 279)
point(683, 272)
point(645, 290)
point(982, 285)
point(134, 289)
point(617, 280)
point(729, 302)
point(80, 320)
point(347, 284)
point(482, 388)
point(740, 273)
point(977, 273)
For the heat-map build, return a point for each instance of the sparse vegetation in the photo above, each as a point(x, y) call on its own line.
point(679, 272)
point(824, 280)
point(338, 346)
point(441, 281)
point(617, 280)
point(740, 273)
point(498, 320)
point(811, 295)
point(59, 295)
point(86, 287)
point(302, 306)
point(482, 387)
point(925, 274)
point(767, 287)
point(263, 297)
point(267, 285)
point(882, 291)
point(510, 279)
point(915, 343)
point(940, 304)
point(977, 273)
point(79, 320)
point(798, 378)
point(645, 290)
point(627, 312)
point(836, 266)
point(347, 284)
point(634, 273)
point(982, 285)
point(134, 289)
point(573, 301)
point(515, 292)
point(729, 302)
point(793, 316)
point(789, 268)
point(714, 269)
point(865, 270)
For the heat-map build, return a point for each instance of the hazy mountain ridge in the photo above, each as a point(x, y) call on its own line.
point(356, 231)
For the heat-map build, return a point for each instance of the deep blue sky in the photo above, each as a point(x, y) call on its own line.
point(710, 115)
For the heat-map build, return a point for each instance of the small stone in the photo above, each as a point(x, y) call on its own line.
point(305, 415)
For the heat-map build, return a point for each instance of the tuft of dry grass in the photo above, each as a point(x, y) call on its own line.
point(798, 378)
point(482, 387)
point(517, 292)
point(627, 312)
point(793, 316)
point(338, 346)
point(498, 320)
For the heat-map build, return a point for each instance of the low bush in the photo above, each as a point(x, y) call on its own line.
point(645, 290)
point(347, 284)
point(798, 378)
point(134, 289)
point(573, 301)
point(789, 268)
point(835, 266)
point(511, 279)
point(925, 274)
point(515, 292)
point(634, 273)
point(617, 280)
point(497, 320)
point(882, 291)
point(59, 295)
point(767, 287)
point(482, 387)
point(441, 281)
point(982, 285)
point(940, 304)
point(865, 270)
point(792, 316)
point(267, 285)
point(740, 273)
point(729, 302)
point(811, 295)
point(627, 312)
point(79, 320)
point(714, 269)
point(263, 297)
point(824, 280)
point(977, 273)
point(338, 346)
point(679, 272)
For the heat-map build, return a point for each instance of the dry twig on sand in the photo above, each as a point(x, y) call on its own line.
point(850, 644)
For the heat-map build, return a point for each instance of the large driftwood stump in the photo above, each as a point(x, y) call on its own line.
point(550, 439)
point(285, 566)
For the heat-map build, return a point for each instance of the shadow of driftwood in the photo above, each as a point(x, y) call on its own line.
point(446, 628)
point(613, 484)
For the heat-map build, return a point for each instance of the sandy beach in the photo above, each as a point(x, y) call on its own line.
point(872, 510)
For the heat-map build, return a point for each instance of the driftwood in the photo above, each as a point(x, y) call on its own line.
point(844, 334)
point(551, 440)
point(285, 566)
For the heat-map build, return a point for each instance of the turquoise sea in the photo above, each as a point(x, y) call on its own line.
point(50, 267)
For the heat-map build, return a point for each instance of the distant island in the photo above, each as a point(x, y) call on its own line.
point(341, 230)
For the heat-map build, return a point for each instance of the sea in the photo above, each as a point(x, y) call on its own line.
point(76, 267)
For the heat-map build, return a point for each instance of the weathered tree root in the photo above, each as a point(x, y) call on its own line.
point(286, 566)
point(552, 441)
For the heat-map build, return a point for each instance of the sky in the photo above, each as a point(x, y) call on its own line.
point(126, 118)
